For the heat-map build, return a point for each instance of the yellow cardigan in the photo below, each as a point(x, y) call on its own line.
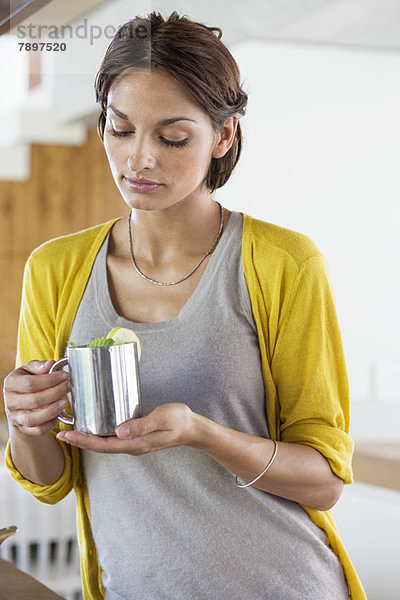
point(304, 371)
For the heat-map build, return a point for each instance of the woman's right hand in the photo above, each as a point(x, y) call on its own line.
point(33, 397)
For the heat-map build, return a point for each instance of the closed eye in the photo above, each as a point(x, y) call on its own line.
point(112, 131)
point(179, 144)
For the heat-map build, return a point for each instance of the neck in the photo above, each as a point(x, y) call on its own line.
point(187, 229)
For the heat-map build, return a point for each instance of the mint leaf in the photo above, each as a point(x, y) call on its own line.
point(101, 342)
point(71, 344)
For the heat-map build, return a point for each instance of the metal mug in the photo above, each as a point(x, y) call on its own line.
point(105, 388)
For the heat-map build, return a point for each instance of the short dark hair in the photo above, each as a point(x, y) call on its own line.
point(194, 55)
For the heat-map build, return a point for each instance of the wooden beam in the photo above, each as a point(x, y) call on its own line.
point(16, 11)
point(378, 464)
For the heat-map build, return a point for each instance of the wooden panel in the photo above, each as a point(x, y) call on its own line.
point(103, 189)
point(11, 275)
point(377, 464)
point(70, 188)
point(20, 586)
point(35, 69)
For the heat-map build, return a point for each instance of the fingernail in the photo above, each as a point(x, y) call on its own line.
point(63, 402)
point(123, 431)
point(63, 375)
point(43, 363)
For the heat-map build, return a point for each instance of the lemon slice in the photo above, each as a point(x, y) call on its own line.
point(122, 335)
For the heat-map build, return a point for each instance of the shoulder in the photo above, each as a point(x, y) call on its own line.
point(74, 248)
point(263, 240)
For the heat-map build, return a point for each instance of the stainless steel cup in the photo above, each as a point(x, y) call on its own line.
point(105, 389)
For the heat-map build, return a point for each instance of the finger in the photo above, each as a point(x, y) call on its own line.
point(87, 441)
point(165, 417)
point(28, 380)
point(138, 427)
point(35, 367)
point(37, 383)
point(33, 418)
point(37, 399)
point(110, 444)
point(40, 429)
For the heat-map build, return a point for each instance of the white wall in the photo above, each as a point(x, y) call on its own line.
point(321, 155)
point(368, 519)
point(13, 73)
point(86, 45)
point(14, 88)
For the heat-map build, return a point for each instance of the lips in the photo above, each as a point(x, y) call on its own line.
point(142, 180)
point(141, 185)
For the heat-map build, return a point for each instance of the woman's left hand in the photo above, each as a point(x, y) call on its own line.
point(168, 425)
point(300, 472)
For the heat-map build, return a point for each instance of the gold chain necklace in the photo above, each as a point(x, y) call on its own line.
point(221, 225)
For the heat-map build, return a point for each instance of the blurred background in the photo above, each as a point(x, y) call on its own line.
point(321, 156)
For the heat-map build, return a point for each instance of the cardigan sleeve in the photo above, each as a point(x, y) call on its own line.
point(36, 341)
point(309, 371)
point(49, 494)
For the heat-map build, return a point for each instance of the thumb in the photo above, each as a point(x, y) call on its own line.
point(38, 366)
point(135, 427)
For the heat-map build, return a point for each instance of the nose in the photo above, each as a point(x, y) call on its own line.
point(141, 155)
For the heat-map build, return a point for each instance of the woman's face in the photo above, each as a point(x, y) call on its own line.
point(154, 133)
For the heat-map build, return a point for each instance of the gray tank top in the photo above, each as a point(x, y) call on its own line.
point(172, 525)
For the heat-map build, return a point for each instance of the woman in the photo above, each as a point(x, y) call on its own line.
point(242, 370)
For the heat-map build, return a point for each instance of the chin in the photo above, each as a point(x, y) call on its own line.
point(148, 202)
point(145, 203)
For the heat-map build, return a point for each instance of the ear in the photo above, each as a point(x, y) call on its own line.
point(225, 137)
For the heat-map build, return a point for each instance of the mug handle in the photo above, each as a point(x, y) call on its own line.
point(63, 416)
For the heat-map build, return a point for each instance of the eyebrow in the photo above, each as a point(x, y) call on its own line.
point(164, 122)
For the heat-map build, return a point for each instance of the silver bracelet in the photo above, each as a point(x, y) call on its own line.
point(245, 485)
